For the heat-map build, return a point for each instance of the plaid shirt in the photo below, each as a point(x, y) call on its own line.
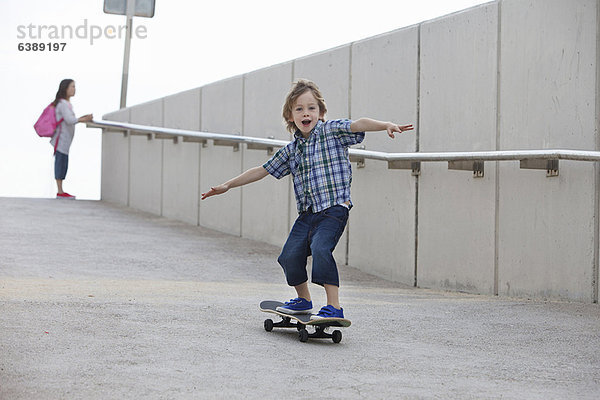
point(319, 165)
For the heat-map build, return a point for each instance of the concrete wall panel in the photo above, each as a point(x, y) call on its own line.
point(458, 113)
point(330, 70)
point(265, 204)
point(546, 232)
point(182, 110)
point(548, 66)
point(546, 224)
point(221, 113)
point(456, 229)
point(382, 223)
point(264, 93)
point(181, 165)
point(114, 186)
point(146, 158)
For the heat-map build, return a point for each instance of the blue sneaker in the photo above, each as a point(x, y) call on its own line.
point(329, 312)
point(296, 306)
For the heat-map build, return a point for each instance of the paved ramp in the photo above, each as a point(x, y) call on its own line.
point(99, 301)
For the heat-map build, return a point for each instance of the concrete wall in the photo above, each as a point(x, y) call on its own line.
point(458, 113)
point(222, 112)
point(181, 162)
point(146, 160)
point(512, 74)
point(384, 87)
point(114, 185)
point(546, 226)
point(268, 199)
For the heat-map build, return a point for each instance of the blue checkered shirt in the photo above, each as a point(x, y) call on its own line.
point(319, 165)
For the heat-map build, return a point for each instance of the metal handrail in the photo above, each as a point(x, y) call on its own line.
point(145, 129)
point(503, 155)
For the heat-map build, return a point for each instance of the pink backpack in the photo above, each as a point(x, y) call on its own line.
point(46, 124)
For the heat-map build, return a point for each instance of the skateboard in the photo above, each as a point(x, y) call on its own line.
point(302, 321)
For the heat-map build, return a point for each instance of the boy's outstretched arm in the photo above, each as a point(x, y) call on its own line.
point(370, 125)
point(251, 175)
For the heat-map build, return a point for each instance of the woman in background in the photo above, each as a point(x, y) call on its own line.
point(62, 139)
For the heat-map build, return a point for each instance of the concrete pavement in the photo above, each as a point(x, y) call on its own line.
point(99, 302)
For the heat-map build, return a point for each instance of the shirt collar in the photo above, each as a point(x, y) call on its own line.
point(298, 134)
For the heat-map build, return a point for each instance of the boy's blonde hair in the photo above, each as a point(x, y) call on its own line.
point(298, 89)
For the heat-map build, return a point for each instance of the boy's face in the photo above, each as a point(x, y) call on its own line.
point(306, 113)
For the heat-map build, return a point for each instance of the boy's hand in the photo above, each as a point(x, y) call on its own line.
point(251, 175)
point(391, 128)
point(215, 190)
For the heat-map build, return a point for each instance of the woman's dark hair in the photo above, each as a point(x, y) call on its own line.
point(62, 90)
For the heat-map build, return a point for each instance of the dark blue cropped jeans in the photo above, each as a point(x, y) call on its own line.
point(314, 234)
point(61, 164)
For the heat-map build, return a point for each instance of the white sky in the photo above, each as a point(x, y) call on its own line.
point(189, 43)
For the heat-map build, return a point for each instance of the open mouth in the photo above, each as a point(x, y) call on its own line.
point(306, 122)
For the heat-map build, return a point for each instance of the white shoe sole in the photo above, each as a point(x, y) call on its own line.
point(292, 312)
point(317, 317)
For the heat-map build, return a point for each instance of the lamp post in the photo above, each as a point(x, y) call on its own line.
point(129, 8)
point(128, 32)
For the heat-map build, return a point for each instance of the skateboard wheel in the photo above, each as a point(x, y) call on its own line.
point(303, 335)
point(268, 325)
point(336, 336)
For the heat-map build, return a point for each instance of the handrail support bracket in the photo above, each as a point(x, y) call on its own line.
point(414, 166)
point(476, 166)
point(551, 165)
point(235, 146)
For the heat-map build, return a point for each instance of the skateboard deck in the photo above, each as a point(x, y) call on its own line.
point(301, 321)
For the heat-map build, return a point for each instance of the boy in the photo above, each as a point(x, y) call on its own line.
point(318, 160)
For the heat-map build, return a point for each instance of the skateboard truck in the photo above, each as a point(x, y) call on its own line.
point(303, 334)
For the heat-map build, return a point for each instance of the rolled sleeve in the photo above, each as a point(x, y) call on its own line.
point(340, 128)
point(65, 112)
point(278, 166)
